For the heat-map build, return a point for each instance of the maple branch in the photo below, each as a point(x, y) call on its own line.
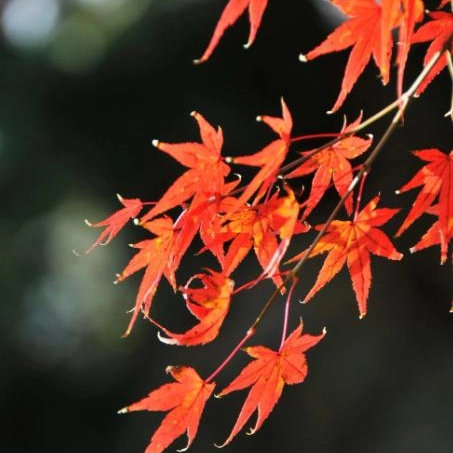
point(293, 274)
point(363, 172)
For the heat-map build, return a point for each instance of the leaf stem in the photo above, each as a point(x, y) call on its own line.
point(250, 332)
point(359, 197)
point(286, 315)
point(314, 136)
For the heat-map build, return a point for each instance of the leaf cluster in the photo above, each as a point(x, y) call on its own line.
point(234, 218)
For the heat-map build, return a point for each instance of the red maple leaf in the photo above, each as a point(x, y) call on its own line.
point(436, 177)
point(364, 33)
point(412, 12)
point(206, 174)
point(435, 236)
point(331, 164)
point(161, 256)
point(267, 227)
point(351, 242)
point(269, 159)
point(233, 10)
point(439, 30)
point(115, 223)
point(209, 304)
point(185, 399)
point(268, 374)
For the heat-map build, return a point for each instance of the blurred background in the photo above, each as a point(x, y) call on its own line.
point(85, 85)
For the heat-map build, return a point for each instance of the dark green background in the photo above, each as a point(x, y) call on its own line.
point(76, 121)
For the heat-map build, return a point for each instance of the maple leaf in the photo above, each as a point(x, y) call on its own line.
point(267, 227)
point(436, 177)
point(207, 170)
point(331, 164)
point(161, 257)
point(233, 10)
point(364, 33)
point(351, 242)
point(412, 12)
point(435, 236)
point(209, 304)
point(270, 158)
point(439, 30)
point(185, 399)
point(268, 374)
point(115, 223)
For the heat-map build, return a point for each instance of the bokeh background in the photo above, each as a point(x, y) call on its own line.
point(85, 85)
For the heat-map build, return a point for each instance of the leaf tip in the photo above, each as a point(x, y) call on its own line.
point(303, 58)
point(166, 340)
point(170, 368)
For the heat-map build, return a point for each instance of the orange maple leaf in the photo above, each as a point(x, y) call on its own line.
point(436, 177)
point(439, 30)
point(267, 227)
point(352, 241)
point(269, 159)
point(185, 399)
point(116, 222)
point(209, 304)
point(364, 33)
point(206, 174)
point(268, 374)
point(161, 256)
point(331, 164)
point(233, 10)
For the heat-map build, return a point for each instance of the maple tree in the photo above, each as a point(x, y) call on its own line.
point(231, 216)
